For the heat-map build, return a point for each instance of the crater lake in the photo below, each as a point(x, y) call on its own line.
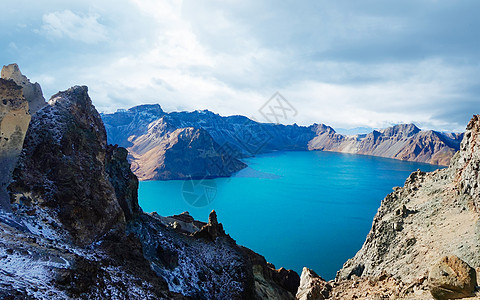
point(306, 208)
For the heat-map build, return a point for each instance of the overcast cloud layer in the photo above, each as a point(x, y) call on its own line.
point(342, 63)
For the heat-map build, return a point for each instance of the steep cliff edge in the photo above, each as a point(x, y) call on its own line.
point(434, 215)
point(62, 166)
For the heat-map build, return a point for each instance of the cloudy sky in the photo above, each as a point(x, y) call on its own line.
point(343, 63)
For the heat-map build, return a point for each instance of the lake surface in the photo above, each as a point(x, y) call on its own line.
point(297, 209)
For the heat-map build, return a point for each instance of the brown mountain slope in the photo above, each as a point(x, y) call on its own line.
point(404, 142)
point(433, 215)
point(165, 152)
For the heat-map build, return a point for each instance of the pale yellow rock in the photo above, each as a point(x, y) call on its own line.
point(31, 91)
point(14, 121)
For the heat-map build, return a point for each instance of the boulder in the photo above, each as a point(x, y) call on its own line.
point(312, 286)
point(451, 278)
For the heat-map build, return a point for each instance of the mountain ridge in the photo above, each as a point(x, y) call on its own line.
point(243, 137)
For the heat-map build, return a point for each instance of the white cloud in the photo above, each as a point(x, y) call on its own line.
point(339, 63)
point(83, 28)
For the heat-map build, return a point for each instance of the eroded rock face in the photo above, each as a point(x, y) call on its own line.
point(195, 267)
point(466, 163)
point(212, 230)
point(14, 120)
point(451, 278)
point(62, 167)
point(433, 215)
point(272, 283)
point(312, 286)
point(31, 91)
point(123, 181)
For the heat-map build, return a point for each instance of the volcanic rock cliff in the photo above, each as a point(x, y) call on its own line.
point(76, 230)
point(434, 215)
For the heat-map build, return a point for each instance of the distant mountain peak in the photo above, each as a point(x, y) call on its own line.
point(147, 108)
point(401, 130)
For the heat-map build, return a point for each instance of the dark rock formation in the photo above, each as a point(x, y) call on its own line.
point(14, 120)
point(432, 216)
point(123, 181)
point(62, 167)
point(212, 230)
point(451, 278)
point(195, 267)
point(271, 283)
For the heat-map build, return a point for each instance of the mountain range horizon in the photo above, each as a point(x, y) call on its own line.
point(354, 130)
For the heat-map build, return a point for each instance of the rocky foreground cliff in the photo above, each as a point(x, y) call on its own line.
point(73, 229)
point(425, 238)
point(151, 136)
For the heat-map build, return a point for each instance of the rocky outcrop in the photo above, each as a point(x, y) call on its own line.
point(19, 99)
point(31, 91)
point(403, 142)
point(123, 181)
point(272, 283)
point(196, 267)
point(466, 163)
point(212, 230)
point(451, 278)
point(432, 216)
point(312, 286)
point(62, 167)
point(14, 120)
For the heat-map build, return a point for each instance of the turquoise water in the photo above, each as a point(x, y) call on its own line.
point(295, 208)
